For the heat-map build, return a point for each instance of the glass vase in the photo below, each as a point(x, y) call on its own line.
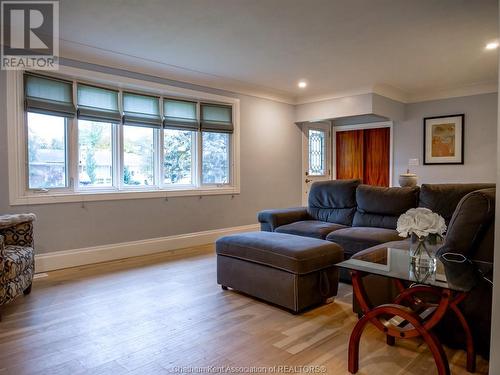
point(423, 254)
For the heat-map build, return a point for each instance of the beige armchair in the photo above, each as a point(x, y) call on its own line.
point(17, 256)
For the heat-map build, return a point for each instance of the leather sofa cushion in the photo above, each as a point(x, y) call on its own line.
point(356, 239)
point(295, 254)
point(381, 206)
point(310, 228)
point(271, 219)
point(333, 201)
point(443, 198)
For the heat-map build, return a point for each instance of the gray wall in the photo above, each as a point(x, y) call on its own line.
point(480, 139)
point(270, 175)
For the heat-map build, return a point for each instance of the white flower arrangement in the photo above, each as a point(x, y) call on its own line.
point(421, 222)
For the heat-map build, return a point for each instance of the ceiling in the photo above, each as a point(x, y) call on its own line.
point(405, 49)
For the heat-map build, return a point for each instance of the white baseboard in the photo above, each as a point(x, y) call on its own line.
point(96, 254)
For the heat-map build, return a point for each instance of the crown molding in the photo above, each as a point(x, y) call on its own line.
point(467, 90)
point(407, 98)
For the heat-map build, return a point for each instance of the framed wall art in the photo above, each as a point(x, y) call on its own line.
point(444, 139)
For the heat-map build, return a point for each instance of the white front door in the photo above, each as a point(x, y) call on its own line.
point(316, 155)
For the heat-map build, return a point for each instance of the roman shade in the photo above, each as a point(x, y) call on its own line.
point(180, 114)
point(97, 104)
point(216, 118)
point(49, 96)
point(141, 110)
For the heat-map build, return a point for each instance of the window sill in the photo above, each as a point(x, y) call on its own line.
point(93, 196)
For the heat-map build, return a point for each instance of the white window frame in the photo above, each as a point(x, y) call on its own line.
point(195, 170)
point(19, 194)
point(121, 185)
point(325, 153)
point(68, 158)
point(200, 150)
point(114, 151)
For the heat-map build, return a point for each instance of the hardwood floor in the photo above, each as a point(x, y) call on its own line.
point(152, 314)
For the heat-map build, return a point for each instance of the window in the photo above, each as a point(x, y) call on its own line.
point(216, 126)
point(215, 158)
point(138, 156)
point(46, 151)
point(317, 152)
point(48, 102)
point(181, 125)
point(141, 118)
point(95, 154)
point(112, 140)
point(97, 111)
point(178, 159)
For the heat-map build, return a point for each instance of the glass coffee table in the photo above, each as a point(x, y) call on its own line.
point(423, 300)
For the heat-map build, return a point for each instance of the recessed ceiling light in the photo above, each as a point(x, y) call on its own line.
point(492, 45)
point(302, 84)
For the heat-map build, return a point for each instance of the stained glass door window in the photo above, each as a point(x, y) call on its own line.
point(317, 152)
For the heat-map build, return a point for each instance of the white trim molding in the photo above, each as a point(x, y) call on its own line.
point(407, 97)
point(16, 133)
point(455, 92)
point(177, 244)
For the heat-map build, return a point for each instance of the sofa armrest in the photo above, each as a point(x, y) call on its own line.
point(472, 219)
point(17, 229)
point(271, 219)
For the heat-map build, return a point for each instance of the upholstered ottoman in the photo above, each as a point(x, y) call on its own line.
point(291, 271)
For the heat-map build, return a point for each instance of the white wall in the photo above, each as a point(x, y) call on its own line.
point(389, 108)
point(480, 139)
point(332, 108)
point(270, 177)
point(495, 315)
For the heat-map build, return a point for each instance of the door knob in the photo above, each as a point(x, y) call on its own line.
point(308, 180)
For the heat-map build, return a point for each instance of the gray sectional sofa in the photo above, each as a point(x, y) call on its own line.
point(358, 217)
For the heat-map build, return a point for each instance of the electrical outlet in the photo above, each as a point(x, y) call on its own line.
point(414, 162)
